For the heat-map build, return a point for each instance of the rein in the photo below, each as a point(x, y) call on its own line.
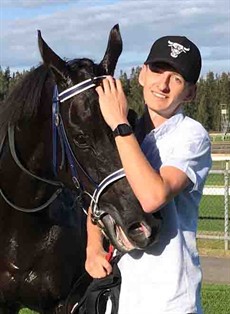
point(19, 164)
point(58, 129)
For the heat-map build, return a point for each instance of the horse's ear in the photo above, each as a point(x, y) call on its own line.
point(49, 57)
point(113, 51)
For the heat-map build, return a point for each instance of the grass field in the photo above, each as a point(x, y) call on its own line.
point(211, 213)
point(215, 180)
point(219, 138)
point(215, 300)
point(219, 165)
point(210, 247)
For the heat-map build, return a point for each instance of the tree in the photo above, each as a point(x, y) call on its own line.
point(212, 91)
point(135, 97)
point(125, 82)
point(4, 82)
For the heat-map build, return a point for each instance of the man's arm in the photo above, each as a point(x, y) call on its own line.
point(152, 189)
point(96, 264)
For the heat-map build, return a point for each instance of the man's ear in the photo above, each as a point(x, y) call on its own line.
point(142, 73)
point(191, 93)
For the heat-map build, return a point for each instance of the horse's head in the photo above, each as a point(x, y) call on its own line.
point(91, 140)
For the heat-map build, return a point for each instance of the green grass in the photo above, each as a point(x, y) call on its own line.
point(219, 138)
point(219, 165)
point(211, 216)
point(211, 247)
point(211, 213)
point(215, 299)
point(211, 226)
point(212, 205)
point(215, 180)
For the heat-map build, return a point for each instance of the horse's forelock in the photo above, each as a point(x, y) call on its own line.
point(84, 68)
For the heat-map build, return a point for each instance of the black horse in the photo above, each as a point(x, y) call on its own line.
point(42, 228)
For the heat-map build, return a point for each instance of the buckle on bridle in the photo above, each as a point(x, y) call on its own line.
point(57, 119)
point(97, 80)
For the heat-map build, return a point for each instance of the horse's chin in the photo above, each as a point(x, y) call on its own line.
point(119, 237)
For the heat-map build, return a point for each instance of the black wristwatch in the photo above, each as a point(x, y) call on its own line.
point(122, 130)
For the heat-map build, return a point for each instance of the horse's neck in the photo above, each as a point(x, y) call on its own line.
point(35, 143)
point(30, 141)
point(25, 161)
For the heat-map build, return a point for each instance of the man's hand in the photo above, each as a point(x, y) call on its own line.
point(96, 263)
point(113, 103)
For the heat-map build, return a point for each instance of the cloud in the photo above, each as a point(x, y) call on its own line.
point(31, 3)
point(81, 29)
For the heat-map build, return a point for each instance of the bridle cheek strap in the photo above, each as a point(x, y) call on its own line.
point(59, 130)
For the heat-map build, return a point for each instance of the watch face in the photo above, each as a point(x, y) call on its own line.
point(123, 130)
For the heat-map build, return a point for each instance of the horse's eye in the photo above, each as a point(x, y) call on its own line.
point(81, 141)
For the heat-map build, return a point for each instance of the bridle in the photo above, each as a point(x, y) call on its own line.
point(58, 130)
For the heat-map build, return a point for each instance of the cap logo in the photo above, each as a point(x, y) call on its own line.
point(176, 49)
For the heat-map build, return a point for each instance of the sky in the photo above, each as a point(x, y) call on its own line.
point(80, 28)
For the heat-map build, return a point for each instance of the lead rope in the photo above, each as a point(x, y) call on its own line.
point(109, 255)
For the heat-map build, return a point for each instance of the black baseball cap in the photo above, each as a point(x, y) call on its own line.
point(179, 52)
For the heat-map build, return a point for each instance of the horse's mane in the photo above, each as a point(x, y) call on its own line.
point(24, 99)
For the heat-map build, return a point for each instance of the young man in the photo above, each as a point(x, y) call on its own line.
point(166, 173)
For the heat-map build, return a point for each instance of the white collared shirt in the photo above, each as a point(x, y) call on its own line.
point(166, 278)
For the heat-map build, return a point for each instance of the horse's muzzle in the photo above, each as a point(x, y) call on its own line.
point(137, 235)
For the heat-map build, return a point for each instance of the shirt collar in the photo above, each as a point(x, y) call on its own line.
point(169, 125)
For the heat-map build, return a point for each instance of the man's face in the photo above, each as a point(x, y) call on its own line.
point(163, 88)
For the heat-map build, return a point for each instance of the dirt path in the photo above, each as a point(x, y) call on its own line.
point(215, 269)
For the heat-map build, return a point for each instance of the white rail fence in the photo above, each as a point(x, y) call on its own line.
point(214, 211)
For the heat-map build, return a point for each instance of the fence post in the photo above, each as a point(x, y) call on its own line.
point(226, 205)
